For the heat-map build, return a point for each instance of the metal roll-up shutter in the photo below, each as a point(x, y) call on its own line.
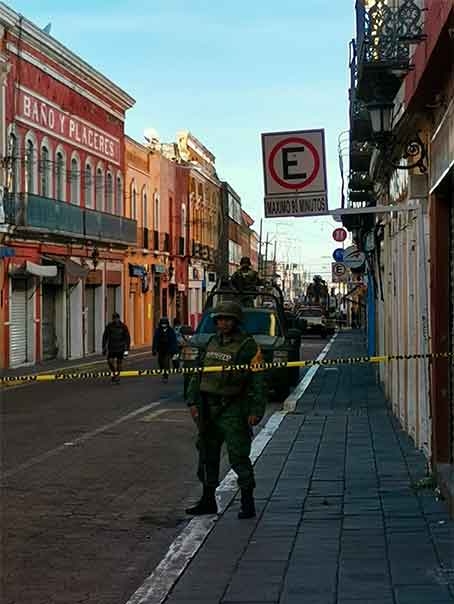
point(90, 293)
point(18, 342)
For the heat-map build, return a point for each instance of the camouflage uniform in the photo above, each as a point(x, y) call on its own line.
point(225, 401)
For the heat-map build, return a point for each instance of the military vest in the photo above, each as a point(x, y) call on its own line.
point(228, 384)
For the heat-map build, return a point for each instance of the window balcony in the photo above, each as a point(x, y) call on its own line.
point(37, 214)
point(384, 35)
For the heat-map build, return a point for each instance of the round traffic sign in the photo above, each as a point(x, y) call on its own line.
point(339, 269)
point(353, 258)
point(338, 254)
point(304, 179)
point(339, 234)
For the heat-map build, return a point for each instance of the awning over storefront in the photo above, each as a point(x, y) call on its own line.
point(136, 270)
point(73, 270)
point(40, 270)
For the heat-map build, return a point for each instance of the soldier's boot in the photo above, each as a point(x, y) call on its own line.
point(206, 505)
point(247, 504)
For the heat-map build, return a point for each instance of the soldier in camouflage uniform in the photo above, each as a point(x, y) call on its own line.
point(246, 278)
point(225, 407)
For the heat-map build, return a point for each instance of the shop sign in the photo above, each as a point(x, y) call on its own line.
point(7, 252)
point(50, 118)
point(353, 258)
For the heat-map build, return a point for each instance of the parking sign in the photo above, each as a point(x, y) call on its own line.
point(294, 168)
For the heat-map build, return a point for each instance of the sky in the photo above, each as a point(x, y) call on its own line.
point(226, 71)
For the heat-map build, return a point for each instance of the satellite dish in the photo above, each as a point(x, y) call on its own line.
point(151, 135)
point(47, 29)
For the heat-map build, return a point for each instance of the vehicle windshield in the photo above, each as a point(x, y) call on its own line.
point(312, 312)
point(255, 323)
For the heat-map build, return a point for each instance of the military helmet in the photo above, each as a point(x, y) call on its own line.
point(228, 309)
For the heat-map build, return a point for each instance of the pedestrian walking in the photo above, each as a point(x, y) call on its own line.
point(115, 344)
point(225, 407)
point(164, 345)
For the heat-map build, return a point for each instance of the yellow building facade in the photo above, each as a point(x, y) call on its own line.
point(138, 294)
point(204, 221)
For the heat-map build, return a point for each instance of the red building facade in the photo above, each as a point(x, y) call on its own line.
point(63, 198)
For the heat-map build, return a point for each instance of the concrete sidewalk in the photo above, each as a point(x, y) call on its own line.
point(339, 520)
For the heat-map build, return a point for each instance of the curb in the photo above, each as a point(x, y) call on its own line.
point(157, 586)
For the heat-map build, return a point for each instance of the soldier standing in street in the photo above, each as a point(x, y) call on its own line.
point(226, 406)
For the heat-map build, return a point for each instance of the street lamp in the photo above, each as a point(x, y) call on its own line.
point(415, 152)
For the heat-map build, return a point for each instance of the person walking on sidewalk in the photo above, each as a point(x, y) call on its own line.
point(115, 343)
point(226, 406)
point(164, 345)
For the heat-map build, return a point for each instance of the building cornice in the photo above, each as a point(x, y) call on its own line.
point(42, 42)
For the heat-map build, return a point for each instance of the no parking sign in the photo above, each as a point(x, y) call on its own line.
point(294, 168)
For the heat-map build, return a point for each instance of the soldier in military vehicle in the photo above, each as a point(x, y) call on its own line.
point(226, 406)
point(246, 280)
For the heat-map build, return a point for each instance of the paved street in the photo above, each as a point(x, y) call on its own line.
point(341, 517)
point(97, 479)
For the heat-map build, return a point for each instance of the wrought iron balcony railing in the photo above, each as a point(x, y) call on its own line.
point(34, 213)
point(385, 32)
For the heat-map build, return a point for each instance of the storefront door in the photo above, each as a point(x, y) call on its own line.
point(111, 297)
point(90, 303)
point(48, 322)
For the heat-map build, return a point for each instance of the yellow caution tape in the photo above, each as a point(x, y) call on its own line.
point(90, 375)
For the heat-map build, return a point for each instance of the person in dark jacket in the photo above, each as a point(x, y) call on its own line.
point(115, 343)
point(246, 279)
point(164, 345)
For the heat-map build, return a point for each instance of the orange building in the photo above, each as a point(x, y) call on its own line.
point(204, 216)
point(138, 288)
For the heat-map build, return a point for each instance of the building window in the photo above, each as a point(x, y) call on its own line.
point(156, 212)
point(99, 189)
point(60, 176)
point(14, 175)
point(75, 181)
point(30, 166)
point(234, 209)
point(109, 193)
point(119, 195)
point(183, 226)
point(133, 201)
point(88, 185)
point(45, 172)
point(144, 208)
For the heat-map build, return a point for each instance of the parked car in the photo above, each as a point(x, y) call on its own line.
point(312, 320)
point(266, 323)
